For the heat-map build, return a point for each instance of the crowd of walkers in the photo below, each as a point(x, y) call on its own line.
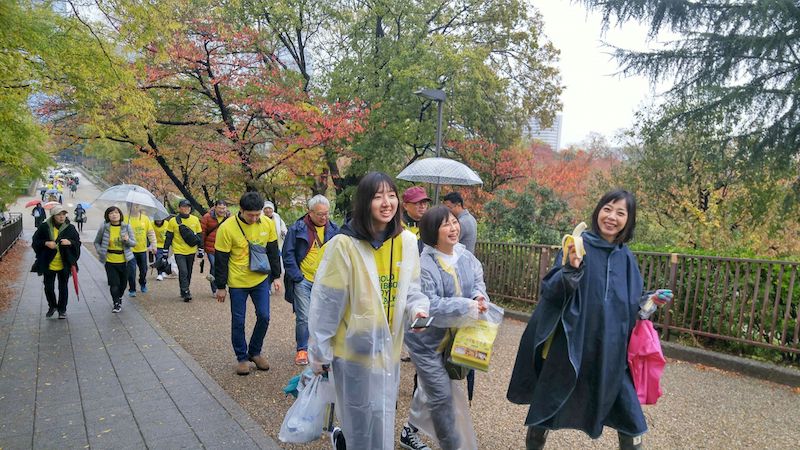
point(355, 290)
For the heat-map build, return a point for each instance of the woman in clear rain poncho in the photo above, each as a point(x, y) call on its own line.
point(365, 292)
point(452, 278)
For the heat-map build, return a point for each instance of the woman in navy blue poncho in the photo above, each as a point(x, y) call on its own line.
point(589, 307)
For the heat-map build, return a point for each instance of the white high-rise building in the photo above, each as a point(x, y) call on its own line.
point(550, 136)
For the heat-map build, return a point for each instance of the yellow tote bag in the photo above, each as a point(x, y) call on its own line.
point(472, 346)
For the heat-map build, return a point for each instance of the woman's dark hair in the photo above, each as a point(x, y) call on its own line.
point(111, 209)
point(220, 202)
point(630, 202)
point(251, 201)
point(430, 223)
point(362, 214)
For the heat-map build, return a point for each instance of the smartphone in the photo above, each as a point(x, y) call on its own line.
point(422, 322)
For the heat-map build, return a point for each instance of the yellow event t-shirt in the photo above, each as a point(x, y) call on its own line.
point(56, 264)
point(161, 233)
point(310, 263)
point(390, 254)
point(140, 224)
point(179, 246)
point(115, 243)
point(230, 239)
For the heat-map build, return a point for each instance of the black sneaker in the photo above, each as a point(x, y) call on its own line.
point(337, 439)
point(117, 308)
point(62, 315)
point(410, 439)
point(50, 312)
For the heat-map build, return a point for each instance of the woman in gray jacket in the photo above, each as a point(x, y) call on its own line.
point(452, 278)
point(114, 244)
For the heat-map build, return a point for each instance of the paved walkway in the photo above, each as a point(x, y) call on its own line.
point(106, 380)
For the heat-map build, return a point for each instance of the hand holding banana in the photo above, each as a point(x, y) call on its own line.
point(573, 243)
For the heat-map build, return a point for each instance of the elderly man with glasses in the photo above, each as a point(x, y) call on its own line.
point(302, 253)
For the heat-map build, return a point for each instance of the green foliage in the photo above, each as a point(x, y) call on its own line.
point(535, 215)
point(740, 58)
point(698, 190)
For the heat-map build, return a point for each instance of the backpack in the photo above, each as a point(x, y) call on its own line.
point(190, 237)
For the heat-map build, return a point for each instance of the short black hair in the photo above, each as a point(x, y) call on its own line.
point(111, 209)
point(430, 222)
point(220, 202)
point(630, 202)
point(251, 201)
point(454, 197)
point(362, 214)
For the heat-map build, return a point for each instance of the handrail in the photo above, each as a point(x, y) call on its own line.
point(747, 301)
point(10, 231)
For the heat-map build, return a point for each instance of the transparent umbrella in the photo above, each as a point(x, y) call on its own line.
point(440, 171)
point(131, 194)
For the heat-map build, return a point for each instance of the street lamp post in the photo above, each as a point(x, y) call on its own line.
point(439, 97)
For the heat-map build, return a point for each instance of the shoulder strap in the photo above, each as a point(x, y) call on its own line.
point(242, 230)
point(178, 219)
point(219, 222)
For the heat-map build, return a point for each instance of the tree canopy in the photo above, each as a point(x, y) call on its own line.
point(738, 58)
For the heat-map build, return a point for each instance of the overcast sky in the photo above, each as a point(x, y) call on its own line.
point(594, 98)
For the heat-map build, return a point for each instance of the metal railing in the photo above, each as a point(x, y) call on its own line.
point(749, 301)
point(10, 231)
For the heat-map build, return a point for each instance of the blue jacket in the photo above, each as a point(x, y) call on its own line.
point(296, 245)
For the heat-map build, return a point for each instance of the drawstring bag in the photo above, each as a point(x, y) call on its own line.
point(259, 262)
point(472, 346)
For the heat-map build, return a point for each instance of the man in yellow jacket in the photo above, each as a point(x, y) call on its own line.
point(183, 235)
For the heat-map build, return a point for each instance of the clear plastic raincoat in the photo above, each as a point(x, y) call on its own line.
point(451, 289)
point(348, 329)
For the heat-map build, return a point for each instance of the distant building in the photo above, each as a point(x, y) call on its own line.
point(550, 136)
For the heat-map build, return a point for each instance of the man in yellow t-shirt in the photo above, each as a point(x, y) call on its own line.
point(160, 228)
point(144, 233)
point(302, 253)
point(236, 239)
point(181, 227)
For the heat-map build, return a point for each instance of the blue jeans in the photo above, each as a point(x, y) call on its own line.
point(302, 299)
point(139, 261)
point(260, 296)
point(211, 271)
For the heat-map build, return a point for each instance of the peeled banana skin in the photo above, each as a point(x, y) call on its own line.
point(575, 239)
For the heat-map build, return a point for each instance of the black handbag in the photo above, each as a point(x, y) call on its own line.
point(258, 261)
point(189, 237)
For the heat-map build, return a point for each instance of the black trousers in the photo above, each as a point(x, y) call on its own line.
point(63, 290)
point(117, 274)
point(185, 266)
point(139, 260)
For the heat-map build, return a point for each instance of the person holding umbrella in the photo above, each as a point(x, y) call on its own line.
point(57, 246)
point(184, 232)
point(114, 243)
point(39, 215)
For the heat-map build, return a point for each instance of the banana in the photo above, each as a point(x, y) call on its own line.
point(576, 239)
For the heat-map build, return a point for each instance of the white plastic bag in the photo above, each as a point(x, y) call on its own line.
point(305, 419)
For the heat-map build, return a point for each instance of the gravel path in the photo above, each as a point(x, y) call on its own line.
point(701, 407)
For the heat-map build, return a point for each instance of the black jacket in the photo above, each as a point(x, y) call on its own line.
point(44, 256)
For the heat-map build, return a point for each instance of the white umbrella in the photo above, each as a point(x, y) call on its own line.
point(440, 171)
point(132, 194)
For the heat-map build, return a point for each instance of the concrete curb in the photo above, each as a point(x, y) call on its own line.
point(744, 366)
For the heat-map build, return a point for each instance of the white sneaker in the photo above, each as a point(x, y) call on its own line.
point(160, 277)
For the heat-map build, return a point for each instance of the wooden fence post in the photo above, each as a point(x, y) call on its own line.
point(673, 272)
point(544, 266)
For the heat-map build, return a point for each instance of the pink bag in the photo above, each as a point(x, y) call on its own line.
point(646, 362)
